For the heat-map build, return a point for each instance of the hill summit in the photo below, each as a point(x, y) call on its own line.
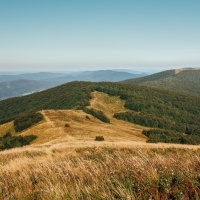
point(177, 71)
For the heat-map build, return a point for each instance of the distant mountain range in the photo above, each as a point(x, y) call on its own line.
point(95, 76)
point(185, 80)
point(18, 85)
point(30, 76)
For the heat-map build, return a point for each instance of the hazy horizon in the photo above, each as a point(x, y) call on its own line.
point(15, 72)
point(98, 35)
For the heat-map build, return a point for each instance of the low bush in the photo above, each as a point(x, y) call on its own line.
point(87, 117)
point(8, 141)
point(67, 125)
point(99, 138)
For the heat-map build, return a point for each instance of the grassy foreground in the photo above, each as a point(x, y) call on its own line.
point(100, 173)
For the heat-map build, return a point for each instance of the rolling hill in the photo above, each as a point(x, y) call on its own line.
point(180, 80)
point(177, 114)
point(80, 125)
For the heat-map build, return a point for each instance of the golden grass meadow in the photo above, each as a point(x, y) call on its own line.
point(112, 172)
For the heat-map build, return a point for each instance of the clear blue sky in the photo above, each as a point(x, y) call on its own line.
point(99, 34)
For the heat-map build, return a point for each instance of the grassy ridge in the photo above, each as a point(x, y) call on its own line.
point(101, 173)
point(159, 108)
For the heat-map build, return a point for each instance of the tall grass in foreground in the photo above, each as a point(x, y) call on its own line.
point(101, 173)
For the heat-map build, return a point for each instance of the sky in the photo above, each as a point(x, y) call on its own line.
point(68, 35)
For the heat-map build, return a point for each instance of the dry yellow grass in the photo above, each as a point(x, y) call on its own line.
point(53, 129)
point(108, 104)
point(99, 173)
point(7, 127)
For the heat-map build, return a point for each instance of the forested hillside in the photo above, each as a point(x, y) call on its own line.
point(148, 107)
point(182, 80)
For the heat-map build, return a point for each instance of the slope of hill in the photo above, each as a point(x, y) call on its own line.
point(146, 106)
point(76, 127)
point(180, 80)
point(80, 125)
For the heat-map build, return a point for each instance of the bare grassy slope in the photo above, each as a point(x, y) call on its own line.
point(108, 104)
point(84, 129)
